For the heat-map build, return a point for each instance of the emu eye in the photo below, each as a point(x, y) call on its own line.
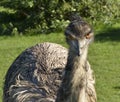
point(88, 36)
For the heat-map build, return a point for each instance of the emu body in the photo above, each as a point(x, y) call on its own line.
point(36, 74)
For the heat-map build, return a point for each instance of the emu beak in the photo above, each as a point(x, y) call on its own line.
point(80, 44)
point(78, 48)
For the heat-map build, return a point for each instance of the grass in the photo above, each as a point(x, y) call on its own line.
point(105, 60)
point(104, 57)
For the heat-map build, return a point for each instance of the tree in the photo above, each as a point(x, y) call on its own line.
point(52, 15)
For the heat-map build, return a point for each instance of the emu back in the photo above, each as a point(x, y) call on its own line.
point(35, 75)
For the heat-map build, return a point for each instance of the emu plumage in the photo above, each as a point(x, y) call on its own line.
point(35, 75)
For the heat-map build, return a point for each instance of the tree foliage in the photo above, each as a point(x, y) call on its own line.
point(52, 15)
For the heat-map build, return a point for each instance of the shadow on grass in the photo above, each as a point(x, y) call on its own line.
point(109, 35)
point(117, 87)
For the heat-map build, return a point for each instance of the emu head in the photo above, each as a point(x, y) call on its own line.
point(78, 34)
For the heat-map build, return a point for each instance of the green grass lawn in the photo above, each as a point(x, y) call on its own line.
point(104, 57)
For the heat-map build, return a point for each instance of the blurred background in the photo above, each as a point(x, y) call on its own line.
point(45, 16)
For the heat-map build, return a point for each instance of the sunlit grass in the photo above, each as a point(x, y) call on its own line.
point(105, 60)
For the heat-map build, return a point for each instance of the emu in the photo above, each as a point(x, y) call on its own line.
point(78, 81)
point(36, 74)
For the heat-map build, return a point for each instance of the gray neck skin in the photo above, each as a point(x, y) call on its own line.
point(74, 82)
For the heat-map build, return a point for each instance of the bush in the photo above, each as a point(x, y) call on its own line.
point(53, 15)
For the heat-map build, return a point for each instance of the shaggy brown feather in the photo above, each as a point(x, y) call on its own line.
point(36, 74)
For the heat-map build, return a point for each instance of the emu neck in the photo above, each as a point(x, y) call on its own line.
point(78, 77)
point(74, 80)
point(75, 62)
